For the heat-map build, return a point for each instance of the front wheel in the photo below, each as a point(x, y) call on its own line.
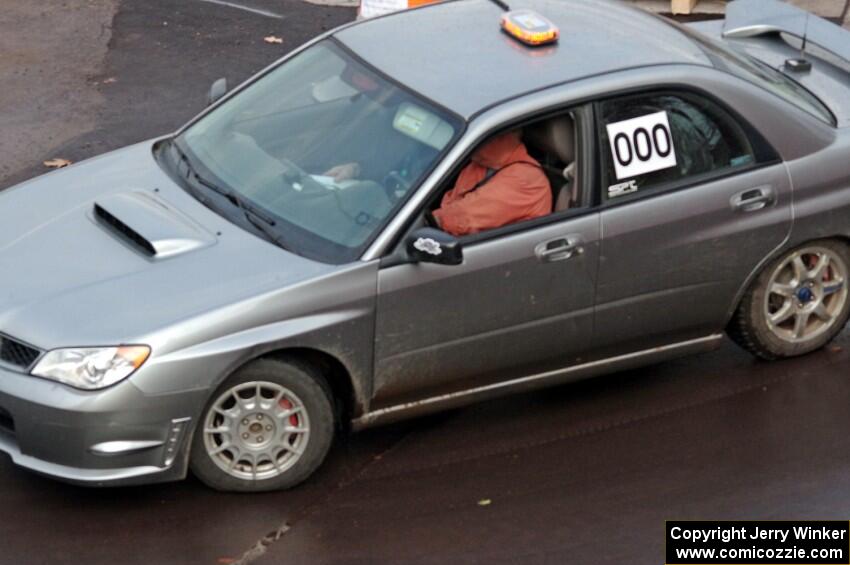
point(798, 303)
point(268, 427)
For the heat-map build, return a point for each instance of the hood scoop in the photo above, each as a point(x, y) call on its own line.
point(149, 225)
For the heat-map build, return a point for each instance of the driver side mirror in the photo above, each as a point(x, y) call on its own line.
point(217, 90)
point(429, 245)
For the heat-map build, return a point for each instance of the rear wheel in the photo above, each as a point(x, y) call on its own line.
point(798, 304)
point(268, 427)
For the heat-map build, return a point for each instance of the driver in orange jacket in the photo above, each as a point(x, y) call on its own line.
point(502, 185)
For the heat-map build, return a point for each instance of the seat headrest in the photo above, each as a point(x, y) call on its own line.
point(556, 135)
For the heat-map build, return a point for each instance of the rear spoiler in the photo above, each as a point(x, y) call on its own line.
point(751, 18)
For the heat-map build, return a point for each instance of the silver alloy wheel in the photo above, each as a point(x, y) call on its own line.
point(806, 294)
point(256, 430)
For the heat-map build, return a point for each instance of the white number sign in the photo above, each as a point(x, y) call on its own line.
point(642, 145)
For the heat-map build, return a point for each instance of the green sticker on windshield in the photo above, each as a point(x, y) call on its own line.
point(408, 123)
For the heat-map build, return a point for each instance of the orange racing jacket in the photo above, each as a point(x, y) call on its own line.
point(502, 185)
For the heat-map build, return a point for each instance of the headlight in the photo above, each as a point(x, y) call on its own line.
point(91, 368)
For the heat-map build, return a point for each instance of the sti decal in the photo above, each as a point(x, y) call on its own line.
point(642, 145)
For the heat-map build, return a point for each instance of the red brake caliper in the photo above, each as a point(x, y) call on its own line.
point(827, 274)
point(287, 405)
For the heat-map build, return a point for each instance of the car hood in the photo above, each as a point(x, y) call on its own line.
point(111, 249)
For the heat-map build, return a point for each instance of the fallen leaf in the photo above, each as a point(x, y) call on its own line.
point(485, 502)
point(836, 349)
point(272, 39)
point(57, 163)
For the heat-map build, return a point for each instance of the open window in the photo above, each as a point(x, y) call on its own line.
point(557, 154)
point(552, 144)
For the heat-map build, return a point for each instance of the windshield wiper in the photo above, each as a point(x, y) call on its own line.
point(190, 171)
point(255, 217)
point(193, 173)
point(259, 222)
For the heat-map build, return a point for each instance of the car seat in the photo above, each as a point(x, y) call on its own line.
point(555, 137)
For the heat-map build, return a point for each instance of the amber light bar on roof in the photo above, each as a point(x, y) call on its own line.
point(529, 27)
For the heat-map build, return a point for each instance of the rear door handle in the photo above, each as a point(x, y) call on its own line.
point(559, 249)
point(753, 199)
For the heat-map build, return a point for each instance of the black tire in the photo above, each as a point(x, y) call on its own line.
point(749, 326)
point(308, 384)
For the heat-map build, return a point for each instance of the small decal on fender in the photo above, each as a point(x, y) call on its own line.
point(622, 189)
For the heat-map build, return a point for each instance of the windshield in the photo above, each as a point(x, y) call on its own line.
point(322, 145)
point(762, 75)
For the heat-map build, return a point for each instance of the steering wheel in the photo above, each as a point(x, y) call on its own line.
point(295, 177)
point(396, 186)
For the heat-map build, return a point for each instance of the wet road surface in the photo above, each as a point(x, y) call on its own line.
point(583, 473)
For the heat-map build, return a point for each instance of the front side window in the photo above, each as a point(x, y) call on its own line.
point(323, 146)
point(651, 142)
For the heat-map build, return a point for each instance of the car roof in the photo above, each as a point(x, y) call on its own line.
point(455, 54)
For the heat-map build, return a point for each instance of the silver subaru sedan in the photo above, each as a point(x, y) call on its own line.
point(228, 298)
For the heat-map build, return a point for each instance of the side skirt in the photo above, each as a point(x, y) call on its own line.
point(533, 382)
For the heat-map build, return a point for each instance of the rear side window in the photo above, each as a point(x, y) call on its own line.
point(653, 142)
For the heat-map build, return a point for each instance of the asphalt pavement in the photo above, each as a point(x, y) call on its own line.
point(583, 473)
point(48, 95)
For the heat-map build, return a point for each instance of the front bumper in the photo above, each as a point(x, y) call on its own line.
point(119, 435)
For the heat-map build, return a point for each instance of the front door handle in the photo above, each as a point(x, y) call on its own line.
point(753, 199)
point(559, 249)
